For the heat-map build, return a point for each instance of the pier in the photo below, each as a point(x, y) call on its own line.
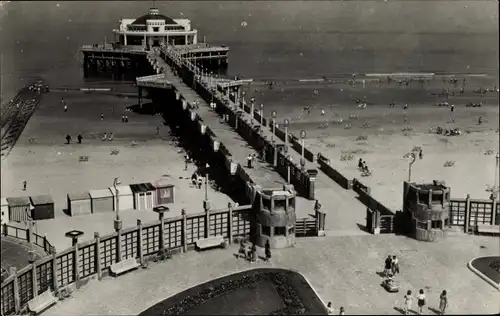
point(230, 125)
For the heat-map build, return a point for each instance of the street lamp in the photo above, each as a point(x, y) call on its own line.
point(413, 157)
point(117, 221)
point(261, 114)
point(303, 135)
point(242, 101)
point(206, 181)
point(495, 184)
point(286, 123)
point(273, 115)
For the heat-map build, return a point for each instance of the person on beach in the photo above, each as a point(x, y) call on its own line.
point(68, 139)
point(254, 253)
point(480, 120)
point(102, 116)
point(360, 163)
point(387, 266)
point(79, 137)
point(105, 136)
point(267, 250)
point(194, 178)
point(443, 302)
point(123, 118)
point(408, 298)
point(329, 308)
point(341, 311)
point(395, 265)
point(452, 108)
point(405, 106)
point(421, 154)
point(25, 184)
point(110, 138)
point(65, 108)
point(157, 130)
point(242, 250)
point(186, 161)
point(322, 112)
point(126, 118)
point(421, 301)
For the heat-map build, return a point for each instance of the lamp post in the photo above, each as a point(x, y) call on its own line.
point(261, 112)
point(252, 108)
point(495, 184)
point(273, 115)
point(242, 101)
point(285, 124)
point(117, 221)
point(303, 136)
point(410, 164)
point(206, 181)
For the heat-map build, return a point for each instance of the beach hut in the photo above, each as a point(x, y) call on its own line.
point(43, 207)
point(79, 204)
point(4, 206)
point(144, 196)
point(101, 200)
point(164, 192)
point(19, 208)
point(125, 195)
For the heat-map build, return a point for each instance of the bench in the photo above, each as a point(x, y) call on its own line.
point(488, 229)
point(124, 266)
point(41, 302)
point(210, 242)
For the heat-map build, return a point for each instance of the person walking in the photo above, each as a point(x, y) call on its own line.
point(157, 130)
point(65, 108)
point(387, 266)
point(408, 301)
point(341, 311)
point(421, 301)
point(79, 137)
point(110, 138)
point(254, 253)
point(104, 137)
point(102, 116)
point(186, 161)
point(421, 154)
point(25, 184)
point(200, 181)
point(395, 265)
point(268, 250)
point(443, 302)
point(68, 139)
point(329, 308)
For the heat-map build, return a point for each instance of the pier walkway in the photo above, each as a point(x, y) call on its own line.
point(345, 213)
point(262, 173)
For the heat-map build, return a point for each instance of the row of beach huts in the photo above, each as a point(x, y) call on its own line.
point(141, 196)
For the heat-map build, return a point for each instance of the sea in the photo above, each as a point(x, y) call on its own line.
point(268, 40)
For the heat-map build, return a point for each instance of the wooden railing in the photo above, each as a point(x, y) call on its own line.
point(25, 235)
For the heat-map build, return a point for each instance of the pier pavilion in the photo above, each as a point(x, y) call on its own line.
point(155, 29)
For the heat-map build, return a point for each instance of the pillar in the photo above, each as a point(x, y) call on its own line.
point(98, 267)
point(34, 280)
point(467, 214)
point(140, 253)
point(230, 223)
point(184, 231)
point(55, 285)
point(17, 300)
point(493, 211)
point(76, 267)
point(140, 97)
point(429, 198)
point(186, 39)
point(275, 155)
point(125, 39)
point(119, 246)
point(207, 222)
point(162, 232)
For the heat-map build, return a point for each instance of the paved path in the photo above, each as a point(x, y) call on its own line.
point(341, 269)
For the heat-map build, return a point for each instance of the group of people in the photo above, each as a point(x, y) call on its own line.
point(391, 266)
point(197, 180)
point(124, 118)
point(250, 253)
point(329, 307)
point(109, 137)
point(250, 160)
point(362, 166)
point(79, 138)
point(421, 301)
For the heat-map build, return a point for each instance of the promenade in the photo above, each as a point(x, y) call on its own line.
point(345, 213)
point(342, 270)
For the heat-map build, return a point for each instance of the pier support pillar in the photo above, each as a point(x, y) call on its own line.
point(140, 97)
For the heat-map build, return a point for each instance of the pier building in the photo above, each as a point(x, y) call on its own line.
point(155, 29)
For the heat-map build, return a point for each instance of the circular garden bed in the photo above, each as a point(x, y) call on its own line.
point(255, 292)
point(489, 266)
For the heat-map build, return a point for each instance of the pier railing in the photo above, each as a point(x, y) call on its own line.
point(93, 258)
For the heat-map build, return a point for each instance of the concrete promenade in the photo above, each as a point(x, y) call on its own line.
point(344, 212)
point(343, 270)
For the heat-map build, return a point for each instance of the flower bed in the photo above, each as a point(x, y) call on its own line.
point(294, 296)
point(489, 266)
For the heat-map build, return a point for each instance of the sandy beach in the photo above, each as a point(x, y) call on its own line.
point(392, 132)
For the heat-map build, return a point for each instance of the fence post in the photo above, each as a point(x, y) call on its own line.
point(55, 285)
point(184, 230)
point(98, 266)
point(34, 279)
point(5, 229)
point(45, 243)
point(139, 242)
point(119, 245)
point(305, 226)
point(493, 211)
point(17, 301)
point(76, 268)
point(230, 222)
point(467, 214)
point(207, 222)
point(162, 232)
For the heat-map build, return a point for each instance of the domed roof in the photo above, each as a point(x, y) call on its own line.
point(153, 15)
